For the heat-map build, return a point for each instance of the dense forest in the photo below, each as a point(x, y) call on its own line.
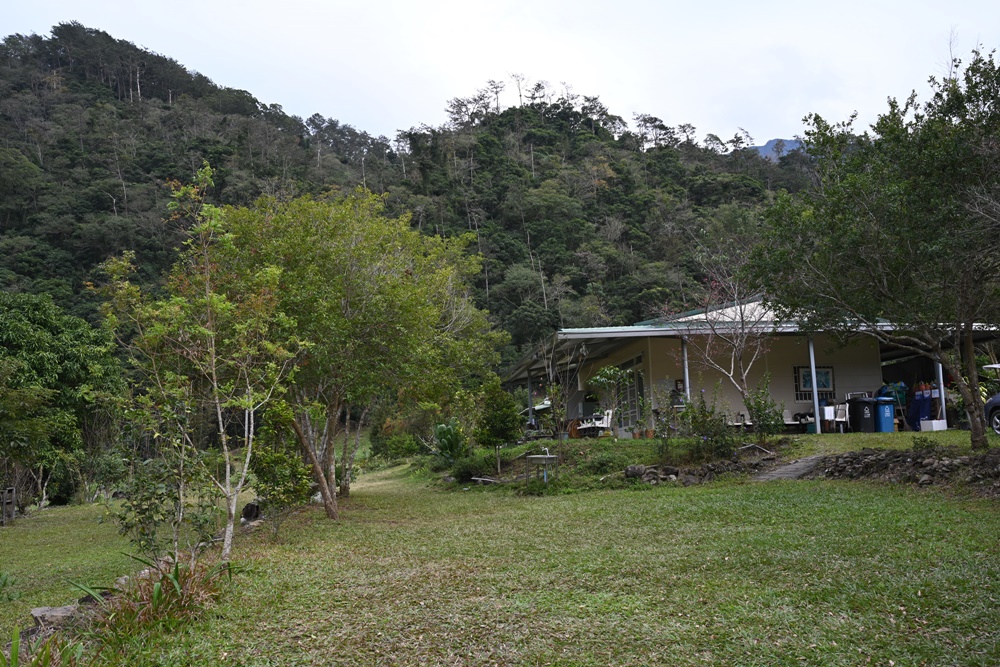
point(582, 218)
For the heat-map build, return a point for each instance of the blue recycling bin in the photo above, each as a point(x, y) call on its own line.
point(885, 414)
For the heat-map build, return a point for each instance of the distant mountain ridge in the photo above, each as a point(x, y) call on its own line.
point(772, 151)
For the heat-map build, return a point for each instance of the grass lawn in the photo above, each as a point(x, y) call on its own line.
point(837, 443)
point(729, 573)
point(44, 552)
point(749, 574)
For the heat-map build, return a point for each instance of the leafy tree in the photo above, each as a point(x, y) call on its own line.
point(901, 228)
point(500, 422)
point(385, 310)
point(55, 372)
point(218, 344)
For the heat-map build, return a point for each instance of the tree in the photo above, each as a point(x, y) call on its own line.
point(901, 229)
point(55, 370)
point(734, 329)
point(500, 421)
point(385, 310)
point(217, 344)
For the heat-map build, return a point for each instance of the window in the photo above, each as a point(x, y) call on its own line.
point(824, 384)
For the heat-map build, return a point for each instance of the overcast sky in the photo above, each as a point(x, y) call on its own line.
point(386, 65)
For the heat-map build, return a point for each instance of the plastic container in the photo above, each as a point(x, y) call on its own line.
point(885, 414)
point(861, 414)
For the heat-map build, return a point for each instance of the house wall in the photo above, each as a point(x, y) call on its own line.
point(856, 367)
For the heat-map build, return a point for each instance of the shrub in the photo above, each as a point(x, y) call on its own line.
point(602, 463)
point(283, 482)
point(707, 428)
point(8, 593)
point(480, 463)
point(765, 412)
point(395, 446)
point(500, 423)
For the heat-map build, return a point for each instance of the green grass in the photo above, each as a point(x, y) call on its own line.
point(47, 550)
point(791, 573)
point(838, 443)
point(783, 573)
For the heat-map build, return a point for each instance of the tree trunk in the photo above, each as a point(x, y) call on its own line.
point(346, 458)
point(977, 420)
point(966, 377)
point(227, 536)
point(351, 451)
point(326, 489)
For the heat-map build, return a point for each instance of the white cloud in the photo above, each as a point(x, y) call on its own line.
point(391, 64)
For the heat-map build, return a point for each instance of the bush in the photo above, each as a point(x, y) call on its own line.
point(282, 482)
point(707, 428)
point(480, 463)
point(765, 412)
point(8, 593)
point(395, 446)
point(500, 422)
point(168, 597)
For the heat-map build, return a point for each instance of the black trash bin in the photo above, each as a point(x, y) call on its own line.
point(861, 413)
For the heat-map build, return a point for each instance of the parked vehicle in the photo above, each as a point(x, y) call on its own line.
point(992, 410)
point(993, 413)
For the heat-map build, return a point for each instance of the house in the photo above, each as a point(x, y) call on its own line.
point(712, 351)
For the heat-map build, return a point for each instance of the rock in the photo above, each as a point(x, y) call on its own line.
point(634, 471)
point(54, 617)
point(688, 480)
point(669, 470)
point(925, 480)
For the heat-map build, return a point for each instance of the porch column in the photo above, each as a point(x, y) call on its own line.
point(687, 375)
point(940, 381)
point(812, 370)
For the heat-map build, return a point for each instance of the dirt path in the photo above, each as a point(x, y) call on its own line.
point(793, 470)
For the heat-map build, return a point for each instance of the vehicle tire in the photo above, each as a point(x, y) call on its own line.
point(995, 421)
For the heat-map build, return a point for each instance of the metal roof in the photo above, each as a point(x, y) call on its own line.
point(597, 342)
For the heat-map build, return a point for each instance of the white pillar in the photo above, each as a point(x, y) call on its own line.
point(815, 384)
point(942, 413)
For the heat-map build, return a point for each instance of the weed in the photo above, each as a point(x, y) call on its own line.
point(53, 651)
point(168, 595)
point(7, 591)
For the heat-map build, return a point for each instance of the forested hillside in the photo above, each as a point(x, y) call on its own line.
point(583, 219)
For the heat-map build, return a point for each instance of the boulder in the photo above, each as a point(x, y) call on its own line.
point(54, 617)
point(635, 471)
